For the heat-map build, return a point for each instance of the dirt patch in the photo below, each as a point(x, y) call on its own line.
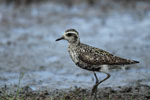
point(138, 92)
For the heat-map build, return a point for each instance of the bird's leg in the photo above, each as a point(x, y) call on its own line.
point(94, 89)
point(108, 76)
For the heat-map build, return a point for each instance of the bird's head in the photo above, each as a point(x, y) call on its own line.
point(71, 35)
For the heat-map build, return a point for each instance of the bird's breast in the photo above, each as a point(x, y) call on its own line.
point(74, 55)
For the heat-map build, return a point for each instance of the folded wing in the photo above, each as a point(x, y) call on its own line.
point(96, 56)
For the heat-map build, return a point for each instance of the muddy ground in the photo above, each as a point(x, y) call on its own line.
point(27, 46)
point(138, 92)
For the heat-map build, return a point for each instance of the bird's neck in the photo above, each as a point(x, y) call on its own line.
point(77, 43)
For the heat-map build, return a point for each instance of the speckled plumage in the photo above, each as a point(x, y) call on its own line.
point(88, 57)
point(91, 58)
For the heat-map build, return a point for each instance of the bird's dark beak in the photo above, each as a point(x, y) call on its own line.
point(61, 38)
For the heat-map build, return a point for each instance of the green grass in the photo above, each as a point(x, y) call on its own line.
point(17, 97)
point(6, 96)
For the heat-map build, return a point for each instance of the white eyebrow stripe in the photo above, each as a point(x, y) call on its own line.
point(71, 32)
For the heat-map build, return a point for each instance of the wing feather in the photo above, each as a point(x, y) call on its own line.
point(95, 56)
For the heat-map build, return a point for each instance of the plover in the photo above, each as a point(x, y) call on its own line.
point(91, 58)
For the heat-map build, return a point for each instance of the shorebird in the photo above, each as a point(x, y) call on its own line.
point(91, 58)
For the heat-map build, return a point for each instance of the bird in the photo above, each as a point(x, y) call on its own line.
point(91, 58)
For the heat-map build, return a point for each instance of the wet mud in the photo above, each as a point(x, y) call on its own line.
point(138, 92)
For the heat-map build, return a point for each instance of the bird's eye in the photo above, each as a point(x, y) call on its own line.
point(69, 34)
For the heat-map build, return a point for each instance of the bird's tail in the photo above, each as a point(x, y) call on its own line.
point(133, 61)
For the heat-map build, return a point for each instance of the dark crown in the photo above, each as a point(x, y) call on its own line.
point(73, 30)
